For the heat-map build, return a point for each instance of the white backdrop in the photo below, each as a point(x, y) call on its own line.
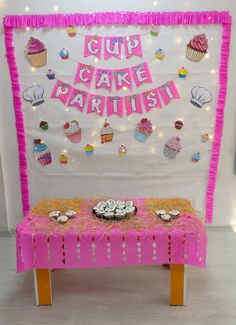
point(144, 166)
point(89, 183)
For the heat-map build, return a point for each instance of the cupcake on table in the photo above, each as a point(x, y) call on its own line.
point(106, 133)
point(143, 130)
point(36, 52)
point(42, 153)
point(197, 48)
point(72, 131)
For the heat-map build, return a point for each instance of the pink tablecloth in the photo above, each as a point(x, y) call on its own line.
point(42, 243)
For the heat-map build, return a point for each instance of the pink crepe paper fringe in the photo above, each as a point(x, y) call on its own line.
point(20, 130)
point(125, 18)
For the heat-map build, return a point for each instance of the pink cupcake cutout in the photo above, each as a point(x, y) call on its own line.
point(72, 131)
point(172, 147)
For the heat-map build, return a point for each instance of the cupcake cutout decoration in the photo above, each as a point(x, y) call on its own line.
point(122, 150)
point(63, 160)
point(160, 54)
point(36, 52)
point(154, 30)
point(72, 131)
point(182, 73)
point(64, 54)
point(172, 147)
point(205, 138)
point(43, 125)
point(50, 74)
point(143, 130)
point(197, 48)
point(179, 124)
point(106, 133)
point(89, 149)
point(42, 153)
point(196, 157)
point(71, 31)
point(200, 96)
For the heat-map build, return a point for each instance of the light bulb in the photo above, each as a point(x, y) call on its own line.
point(155, 3)
point(27, 28)
point(96, 60)
point(125, 88)
point(208, 108)
point(207, 56)
point(127, 38)
point(56, 8)
point(67, 109)
point(27, 8)
point(213, 71)
point(211, 137)
point(64, 150)
point(34, 108)
point(33, 69)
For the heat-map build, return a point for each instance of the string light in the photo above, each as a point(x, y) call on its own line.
point(160, 135)
point(27, 8)
point(211, 137)
point(213, 71)
point(34, 108)
point(56, 8)
point(178, 40)
point(67, 109)
point(155, 3)
point(208, 108)
point(96, 60)
point(207, 56)
point(33, 69)
point(64, 150)
point(125, 88)
point(27, 28)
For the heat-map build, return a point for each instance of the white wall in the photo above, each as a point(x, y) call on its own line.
point(225, 205)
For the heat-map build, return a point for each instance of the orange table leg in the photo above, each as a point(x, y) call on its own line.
point(42, 285)
point(177, 285)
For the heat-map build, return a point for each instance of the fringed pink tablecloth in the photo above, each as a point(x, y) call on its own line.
point(88, 242)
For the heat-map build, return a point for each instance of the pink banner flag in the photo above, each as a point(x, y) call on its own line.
point(168, 91)
point(122, 78)
point(115, 105)
point(96, 104)
point(133, 45)
point(151, 99)
point(112, 47)
point(92, 45)
point(133, 104)
point(84, 74)
point(141, 74)
point(77, 99)
point(61, 91)
point(103, 79)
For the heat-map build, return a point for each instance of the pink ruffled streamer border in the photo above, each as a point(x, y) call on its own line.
point(124, 18)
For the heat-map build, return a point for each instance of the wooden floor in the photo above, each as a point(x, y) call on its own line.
point(126, 296)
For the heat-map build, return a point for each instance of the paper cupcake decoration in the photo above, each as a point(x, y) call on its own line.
point(205, 137)
point(34, 95)
point(143, 130)
point(63, 160)
point(42, 153)
point(50, 74)
point(182, 73)
point(172, 147)
point(43, 125)
point(122, 150)
point(64, 54)
point(196, 157)
point(200, 96)
point(197, 48)
point(72, 131)
point(89, 149)
point(160, 54)
point(154, 30)
point(36, 52)
point(179, 124)
point(71, 31)
point(106, 133)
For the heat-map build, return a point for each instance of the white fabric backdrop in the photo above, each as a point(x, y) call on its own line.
point(145, 171)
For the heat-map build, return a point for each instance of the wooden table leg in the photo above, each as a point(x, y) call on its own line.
point(178, 285)
point(42, 286)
